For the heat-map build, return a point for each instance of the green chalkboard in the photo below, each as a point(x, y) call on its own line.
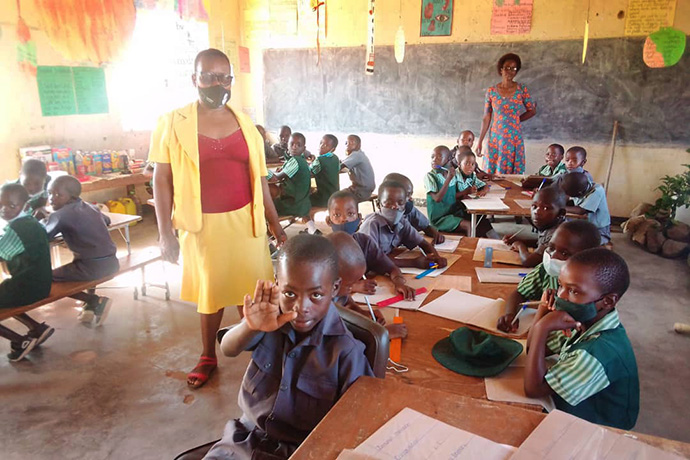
point(56, 91)
point(89, 87)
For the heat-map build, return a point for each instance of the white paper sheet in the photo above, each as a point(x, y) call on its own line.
point(476, 311)
point(525, 204)
point(449, 245)
point(498, 245)
point(501, 275)
point(562, 436)
point(386, 291)
point(486, 203)
point(509, 386)
point(411, 435)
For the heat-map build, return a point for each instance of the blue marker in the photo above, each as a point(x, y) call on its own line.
point(488, 257)
point(432, 267)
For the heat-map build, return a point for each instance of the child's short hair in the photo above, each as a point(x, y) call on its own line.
point(465, 131)
point(554, 194)
point(574, 183)
point(333, 140)
point(342, 194)
point(306, 248)
point(609, 269)
point(586, 232)
point(349, 252)
point(15, 189)
point(299, 136)
point(559, 148)
point(391, 184)
point(399, 178)
point(579, 150)
point(356, 138)
point(508, 57)
point(34, 167)
point(464, 152)
point(70, 184)
point(285, 128)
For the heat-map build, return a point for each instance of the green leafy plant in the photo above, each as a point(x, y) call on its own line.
point(675, 192)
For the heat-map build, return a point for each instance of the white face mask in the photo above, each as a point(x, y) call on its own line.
point(552, 266)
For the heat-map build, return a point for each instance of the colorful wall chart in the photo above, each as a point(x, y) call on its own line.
point(437, 18)
point(511, 17)
point(646, 16)
point(71, 90)
point(664, 48)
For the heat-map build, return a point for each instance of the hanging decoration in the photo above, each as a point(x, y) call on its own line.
point(96, 31)
point(585, 41)
point(664, 48)
point(26, 48)
point(399, 47)
point(316, 6)
point(369, 68)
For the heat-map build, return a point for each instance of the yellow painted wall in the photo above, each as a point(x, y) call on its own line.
point(636, 170)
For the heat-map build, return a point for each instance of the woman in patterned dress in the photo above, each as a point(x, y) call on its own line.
point(507, 104)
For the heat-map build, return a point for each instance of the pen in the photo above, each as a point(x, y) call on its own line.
point(518, 315)
point(432, 267)
point(366, 299)
point(512, 274)
point(530, 304)
point(542, 183)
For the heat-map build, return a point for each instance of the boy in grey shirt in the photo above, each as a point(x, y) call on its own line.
point(359, 169)
point(84, 229)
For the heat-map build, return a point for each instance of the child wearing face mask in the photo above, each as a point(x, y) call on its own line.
point(595, 377)
point(418, 220)
point(344, 216)
point(388, 228)
point(304, 357)
point(569, 239)
point(547, 213)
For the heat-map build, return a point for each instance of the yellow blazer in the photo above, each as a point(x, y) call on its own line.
point(175, 140)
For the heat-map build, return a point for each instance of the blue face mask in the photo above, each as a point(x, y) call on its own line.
point(393, 216)
point(581, 312)
point(347, 227)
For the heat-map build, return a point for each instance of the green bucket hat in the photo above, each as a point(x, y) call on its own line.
point(475, 353)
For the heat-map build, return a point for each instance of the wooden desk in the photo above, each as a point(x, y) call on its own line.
point(513, 192)
point(425, 330)
point(371, 402)
point(113, 181)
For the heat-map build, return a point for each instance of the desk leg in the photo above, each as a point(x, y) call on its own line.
point(473, 224)
point(129, 246)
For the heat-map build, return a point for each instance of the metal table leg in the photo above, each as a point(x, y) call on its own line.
point(473, 224)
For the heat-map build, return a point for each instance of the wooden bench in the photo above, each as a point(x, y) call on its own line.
point(60, 290)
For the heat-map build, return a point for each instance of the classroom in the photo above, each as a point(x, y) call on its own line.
point(344, 229)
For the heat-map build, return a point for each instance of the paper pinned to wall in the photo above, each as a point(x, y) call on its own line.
point(90, 90)
point(413, 435)
point(511, 17)
point(56, 90)
point(563, 436)
point(243, 55)
point(664, 48)
point(645, 16)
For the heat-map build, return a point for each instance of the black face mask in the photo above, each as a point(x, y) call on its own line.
point(214, 96)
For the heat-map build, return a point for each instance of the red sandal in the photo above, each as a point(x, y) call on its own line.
point(202, 377)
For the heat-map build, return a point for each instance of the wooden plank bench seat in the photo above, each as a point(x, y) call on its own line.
point(60, 290)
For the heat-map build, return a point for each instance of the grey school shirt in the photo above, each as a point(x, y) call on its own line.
point(290, 385)
point(84, 228)
point(418, 220)
point(361, 173)
point(377, 261)
point(388, 236)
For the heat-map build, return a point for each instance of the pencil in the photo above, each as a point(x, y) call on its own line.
point(516, 233)
point(371, 310)
point(529, 304)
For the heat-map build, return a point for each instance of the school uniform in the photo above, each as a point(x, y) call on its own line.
point(281, 152)
point(447, 214)
point(38, 200)
point(595, 377)
point(84, 229)
point(532, 286)
point(361, 175)
point(377, 261)
point(294, 198)
point(418, 220)
point(594, 202)
point(24, 247)
point(289, 386)
point(465, 182)
point(544, 236)
point(326, 171)
point(557, 180)
point(388, 236)
point(548, 171)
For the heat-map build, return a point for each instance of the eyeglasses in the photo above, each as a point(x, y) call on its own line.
point(514, 69)
point(209, 78)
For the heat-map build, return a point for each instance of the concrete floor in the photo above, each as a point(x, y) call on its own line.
point(119, 391)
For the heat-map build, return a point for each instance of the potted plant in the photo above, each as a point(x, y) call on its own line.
point(675, 193)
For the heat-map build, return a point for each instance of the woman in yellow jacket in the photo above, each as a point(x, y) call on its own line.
point(210, 185)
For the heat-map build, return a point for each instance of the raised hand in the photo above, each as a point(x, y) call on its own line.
point(263, 312)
